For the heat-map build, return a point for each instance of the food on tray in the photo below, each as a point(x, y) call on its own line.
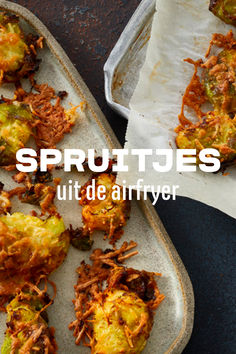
point(27, 325)
point(119, 318)
point(33, 114)
point(129, 331)
point(30, 247)
point(36, 190)
point(215, 130)
point(27, 110)
point(18, 56)
point(108, 215)
point(54, 121)
point(42, 195)
point(220, 80)
point(225, 10)
point(16, 122)
point(5, 203)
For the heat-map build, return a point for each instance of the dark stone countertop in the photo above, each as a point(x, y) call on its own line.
point(204, 237)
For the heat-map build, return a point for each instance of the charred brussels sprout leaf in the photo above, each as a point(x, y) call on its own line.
point(15, 129)
point(215, 131)
point(220, 83)
point(80, 240)
point(42, 195)
point(225, 10)
point(42, 177)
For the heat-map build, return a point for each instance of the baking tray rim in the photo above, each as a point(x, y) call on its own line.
point(126, 39)
point(79, 85)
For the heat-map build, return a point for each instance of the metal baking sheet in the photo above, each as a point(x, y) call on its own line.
point(122, 68)
point(174, 318)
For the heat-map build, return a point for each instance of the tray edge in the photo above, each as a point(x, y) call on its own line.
point(127, 37)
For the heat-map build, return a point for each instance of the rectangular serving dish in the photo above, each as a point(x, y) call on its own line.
point(121, 70)
point(174, 318)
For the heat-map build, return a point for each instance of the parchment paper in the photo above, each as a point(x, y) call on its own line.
point(181, 29)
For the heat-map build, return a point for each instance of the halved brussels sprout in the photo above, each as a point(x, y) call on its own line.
point(30, 247)
point(27, 330)
point(108, 215)
point(15, 129)
point(17, 58)
point(114, 305)
point(220, 81)
point(225, 10)
point(122, 323)
point(216, 131)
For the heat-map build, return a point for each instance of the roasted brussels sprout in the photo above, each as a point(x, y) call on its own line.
point(17, 52)
point(220, 81)
point(125, 319)
point(216, 131)
point(30, 247)
point(108, 215)
point(27, 330)
point(15, 129)
point(225, 10)
point(118, 319)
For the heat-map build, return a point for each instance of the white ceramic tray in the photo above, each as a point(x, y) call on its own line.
point(174, 318)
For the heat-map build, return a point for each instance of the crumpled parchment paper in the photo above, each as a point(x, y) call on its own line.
point(181, 29)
